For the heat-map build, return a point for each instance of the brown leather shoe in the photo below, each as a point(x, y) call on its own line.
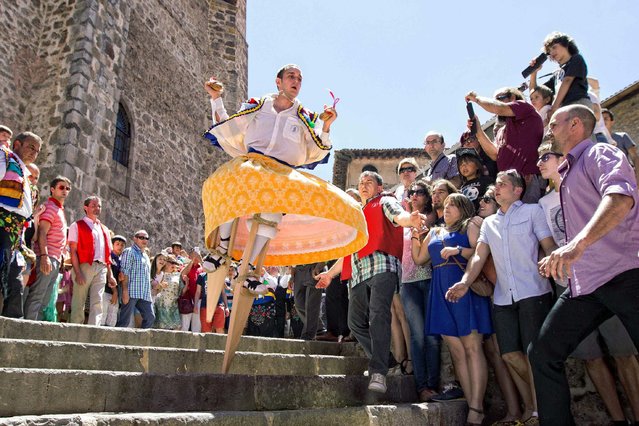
point(327, 337)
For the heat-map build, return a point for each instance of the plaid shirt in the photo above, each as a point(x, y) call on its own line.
point(378, 262)
point(137, 267)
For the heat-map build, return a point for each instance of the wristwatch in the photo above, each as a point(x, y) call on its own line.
point(460, 248)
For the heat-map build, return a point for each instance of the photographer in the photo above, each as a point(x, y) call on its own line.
point(518, 133)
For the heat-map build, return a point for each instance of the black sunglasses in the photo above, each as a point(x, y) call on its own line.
point(487, 199)
point(412, 192)
point(141, 237)
point(407, 169)
point(503, 97)
point(547, 155)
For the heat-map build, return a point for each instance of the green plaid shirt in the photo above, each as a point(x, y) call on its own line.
point(378, 262)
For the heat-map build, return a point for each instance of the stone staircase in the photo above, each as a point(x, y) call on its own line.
point(57, 374)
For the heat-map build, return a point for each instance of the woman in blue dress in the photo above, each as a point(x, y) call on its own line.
point(462, 324)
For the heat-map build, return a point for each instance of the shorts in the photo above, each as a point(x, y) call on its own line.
point(617, 339)
point(216, 323)
point(519, 323)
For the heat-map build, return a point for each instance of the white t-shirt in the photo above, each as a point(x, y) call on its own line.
point(551, 204)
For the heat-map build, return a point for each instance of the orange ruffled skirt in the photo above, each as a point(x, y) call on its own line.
point(321, 221)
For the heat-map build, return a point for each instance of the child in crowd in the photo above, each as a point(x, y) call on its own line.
point(470, 167)
point(541, 97)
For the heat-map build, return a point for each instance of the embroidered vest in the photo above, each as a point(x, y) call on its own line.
point(85, 244)
point(382, 235)
point(12, 184)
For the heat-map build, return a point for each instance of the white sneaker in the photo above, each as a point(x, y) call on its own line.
point(377, 383)
point(395, 371)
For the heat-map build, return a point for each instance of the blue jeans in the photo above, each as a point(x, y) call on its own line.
point(145, 308)
point(425, 350)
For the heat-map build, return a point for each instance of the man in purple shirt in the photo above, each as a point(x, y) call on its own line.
point(518, 133)
point(600, 260)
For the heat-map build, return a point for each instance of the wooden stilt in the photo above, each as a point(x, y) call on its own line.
point(242, 300)
point(215, 280)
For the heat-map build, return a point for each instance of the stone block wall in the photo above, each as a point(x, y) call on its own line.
point(68, 65)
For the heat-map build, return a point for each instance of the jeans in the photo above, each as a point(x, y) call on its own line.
point(126, 311)
point(41, 289)
point(337, 308)
point(369, 318)
point(568, 323)
point(425, 350)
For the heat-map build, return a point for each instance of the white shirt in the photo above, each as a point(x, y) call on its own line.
point(281, 135)
point(26, 209)
point(98, 238)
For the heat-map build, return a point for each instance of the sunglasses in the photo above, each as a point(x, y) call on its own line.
point(502, 97)
point(487, 199)
point(407, 169)
point(416, 192)
point(141, 237)
point(68, 188)
point(547, 155)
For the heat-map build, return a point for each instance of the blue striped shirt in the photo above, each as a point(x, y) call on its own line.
point(137, 267)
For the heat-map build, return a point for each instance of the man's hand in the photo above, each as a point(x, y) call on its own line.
point(45, 265)
point(559, 263)
point(112, 282)
point(456, 292)
point(323, 280)
point(417, 220)
point(114, 298)
point(79, 278)
point(471, 97)
point(328, 116)
point(470, 123)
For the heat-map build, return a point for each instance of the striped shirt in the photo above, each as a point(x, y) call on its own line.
point(57, 233)
point(137, 267)
point(377, 262)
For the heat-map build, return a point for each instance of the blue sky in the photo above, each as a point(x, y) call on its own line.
point(403, 70)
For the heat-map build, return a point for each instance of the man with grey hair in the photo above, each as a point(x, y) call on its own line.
point(135, 268)
point(442, 166)
point(518, 132)
point(600, 259)
point(16, 208)
point(90, 244)
point(375, 274)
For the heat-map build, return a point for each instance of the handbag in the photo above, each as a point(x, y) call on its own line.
point(484, 285)
point(185, 305)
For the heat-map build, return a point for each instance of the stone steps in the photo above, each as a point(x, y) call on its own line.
point(64, 332)
point(20, 353)
point(379, 415)
point(55, 373)
point(54, 391)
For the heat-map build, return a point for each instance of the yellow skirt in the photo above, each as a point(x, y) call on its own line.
point(321, 222)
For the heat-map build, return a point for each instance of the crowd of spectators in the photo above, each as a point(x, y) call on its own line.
point(495, 249)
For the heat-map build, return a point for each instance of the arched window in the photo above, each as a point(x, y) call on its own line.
point(369, 168)
point(122, 144)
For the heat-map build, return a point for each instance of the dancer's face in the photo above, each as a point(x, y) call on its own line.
point(290, 83)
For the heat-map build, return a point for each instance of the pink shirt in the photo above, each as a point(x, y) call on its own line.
point(57, 234)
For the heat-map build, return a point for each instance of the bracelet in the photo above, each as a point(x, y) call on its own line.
point(414, 238)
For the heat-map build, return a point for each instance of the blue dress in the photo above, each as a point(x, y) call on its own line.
point(471, 312)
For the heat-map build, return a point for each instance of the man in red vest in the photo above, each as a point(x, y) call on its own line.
point(90, 246)
point(375, 274)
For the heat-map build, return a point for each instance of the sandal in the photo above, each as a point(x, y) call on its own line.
point(404, 367)
point(478, 411)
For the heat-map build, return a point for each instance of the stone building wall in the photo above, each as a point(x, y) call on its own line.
point(67, 65)
point(625, 106)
